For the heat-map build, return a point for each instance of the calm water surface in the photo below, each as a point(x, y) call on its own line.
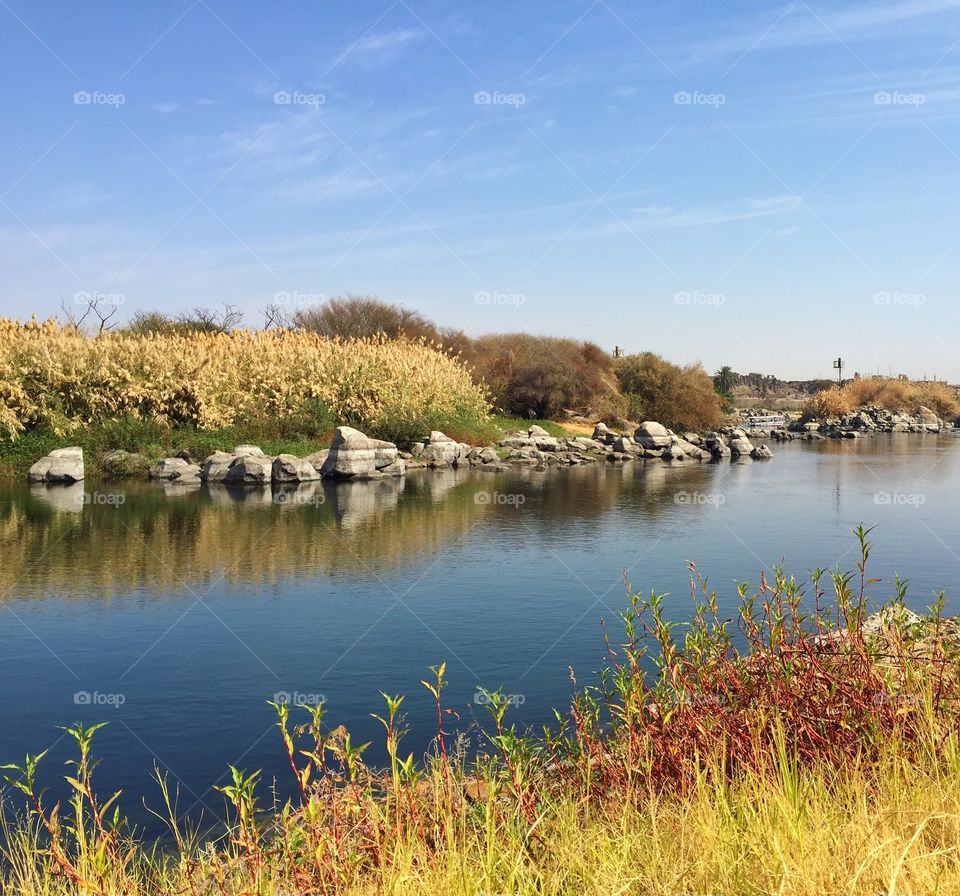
point(181, 612)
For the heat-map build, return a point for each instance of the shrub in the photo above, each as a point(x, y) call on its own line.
point(363, 317)
point(899, 396)
point(681, 398)
point(540, 376)
point(832, 402)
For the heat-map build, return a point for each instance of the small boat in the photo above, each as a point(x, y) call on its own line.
point(771, 421)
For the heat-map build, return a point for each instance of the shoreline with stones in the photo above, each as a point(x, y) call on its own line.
point(352, 455)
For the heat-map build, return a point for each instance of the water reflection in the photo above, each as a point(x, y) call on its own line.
point(77, 540)
point(73, 540)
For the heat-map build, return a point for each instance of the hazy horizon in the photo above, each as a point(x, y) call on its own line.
point(765, 188)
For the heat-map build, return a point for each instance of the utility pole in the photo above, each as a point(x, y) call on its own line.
point(838, 366)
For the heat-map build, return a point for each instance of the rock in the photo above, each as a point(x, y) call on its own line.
point(173, 468)
point(547, 443)
point(689, 449)
point(354, 454)
point(250, 470)
point(652, 435)
point(536, 431)
point(247, 451)
point(716, 444)
point(927, 417)
point(625, 445)
point(289, 468)
point(600, 432)
point(120, 464)
point(60, 465)
point(581, 443)
point(673, 452)
point(397, 468)
point(739, 444)
point(440, 450)
point(216, 466)
point(317, 458)
point(518, 442)
point(488, 456)
point(761, 452)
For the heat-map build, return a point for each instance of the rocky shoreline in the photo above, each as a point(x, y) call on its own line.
point(352, 455)
point(866, 421)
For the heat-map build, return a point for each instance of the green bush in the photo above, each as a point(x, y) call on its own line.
point(540, 376)
point(681, 398)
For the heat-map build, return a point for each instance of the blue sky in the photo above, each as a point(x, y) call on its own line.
point(762, 185)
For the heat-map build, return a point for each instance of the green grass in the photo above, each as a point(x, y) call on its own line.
point(150, 440)
point(300, 436)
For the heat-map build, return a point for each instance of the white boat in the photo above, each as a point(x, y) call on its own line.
point(771, 421)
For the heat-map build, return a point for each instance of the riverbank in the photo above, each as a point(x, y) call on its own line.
point(154, 441)
point(803, 756)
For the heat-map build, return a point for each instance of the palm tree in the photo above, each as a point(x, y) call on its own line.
point(724, 380)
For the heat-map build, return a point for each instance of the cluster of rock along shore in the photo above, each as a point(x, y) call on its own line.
point(866, 421)
point(353, 455)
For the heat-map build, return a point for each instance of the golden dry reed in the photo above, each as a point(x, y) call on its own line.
point(51, 376)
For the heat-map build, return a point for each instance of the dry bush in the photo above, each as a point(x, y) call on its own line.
point(832, 402)
point(51, 376)
point(681, 398)
point(540, 376)
point(898, 396)
point(362, 317)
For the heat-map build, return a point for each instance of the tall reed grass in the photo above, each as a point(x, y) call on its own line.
point(52, 377)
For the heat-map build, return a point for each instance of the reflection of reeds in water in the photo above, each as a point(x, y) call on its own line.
point(164, 538)
point(50, 543)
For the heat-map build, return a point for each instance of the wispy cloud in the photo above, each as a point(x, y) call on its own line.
point(801, 24)
point(384, 47)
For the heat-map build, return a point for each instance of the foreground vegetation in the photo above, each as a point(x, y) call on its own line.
point(792, 749)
